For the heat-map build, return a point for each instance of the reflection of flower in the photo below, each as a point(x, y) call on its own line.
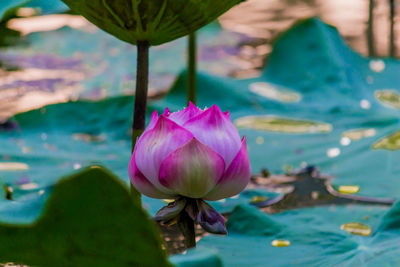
point(190, 155)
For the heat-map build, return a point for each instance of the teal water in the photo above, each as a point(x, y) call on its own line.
point(326, 83)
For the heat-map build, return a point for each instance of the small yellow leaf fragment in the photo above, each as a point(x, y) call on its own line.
point(167, 201)
point(13, 166)
point(258, 199)
point(349, 189)
point(356, 228)
point(280, 243)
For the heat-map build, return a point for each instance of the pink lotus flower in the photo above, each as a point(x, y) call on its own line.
point(190, 154)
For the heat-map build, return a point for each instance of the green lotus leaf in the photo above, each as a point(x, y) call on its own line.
point(89, 220)
point(154, 21)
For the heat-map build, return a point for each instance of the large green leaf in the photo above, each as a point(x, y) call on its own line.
point(155, 21)
point(89, 220)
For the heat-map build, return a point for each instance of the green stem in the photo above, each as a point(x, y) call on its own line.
point(186, 226)
point(370, 30)
point(192, 69)
point(139, 114)
point(8, 192)
point(392, 45)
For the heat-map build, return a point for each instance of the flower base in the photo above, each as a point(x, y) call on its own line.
point(185, 212)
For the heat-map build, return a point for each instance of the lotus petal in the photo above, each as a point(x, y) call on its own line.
point(166, 112)
point(180, 117)
point(235, 178)
point(153, 147)
point(169, 212)
point(215, 129)
point(153, 121)
point(192, 170)
point(210, 219)
point(142, 184)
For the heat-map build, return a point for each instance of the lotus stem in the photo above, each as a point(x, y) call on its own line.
point(370, 30)
point(139, 114)
point(192, 69)
point(392, 14)
point(186, 226)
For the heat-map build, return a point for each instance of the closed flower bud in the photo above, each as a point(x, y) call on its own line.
point(191, 153)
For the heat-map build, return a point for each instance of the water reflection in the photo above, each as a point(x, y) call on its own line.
point(270, 17)
point(44, 79)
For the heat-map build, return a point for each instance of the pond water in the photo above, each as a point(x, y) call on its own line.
point(316, 102)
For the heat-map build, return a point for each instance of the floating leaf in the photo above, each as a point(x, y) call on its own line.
point(357, 134)
point(281, 124)
point(273, 92)
point(13, 166)
point(155, 21)
point(390, 98)
point(391, 142)
point(89, 220)
point(356, 228)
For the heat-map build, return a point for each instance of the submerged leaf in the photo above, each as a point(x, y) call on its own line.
point(154, 21)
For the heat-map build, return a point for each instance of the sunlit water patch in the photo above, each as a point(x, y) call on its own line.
point(333, 152)
point(390, 142)
point(389, 98)
point(283, 124)
point(377, 65)
point(273, 92)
